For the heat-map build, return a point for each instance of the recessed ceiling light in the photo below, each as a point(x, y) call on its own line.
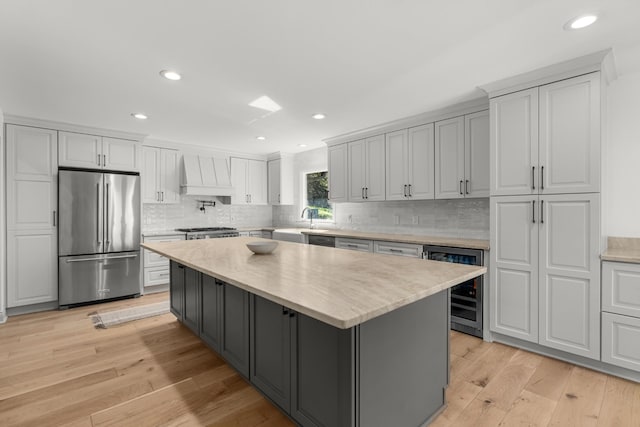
point(170, 75)
point(302, 145)
point(319, 116)
point(261, 138)
point(140, 116)
point(265, 103)
point(580, 22)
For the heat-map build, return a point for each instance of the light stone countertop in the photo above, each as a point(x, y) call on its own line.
point(340, 287)
point(162, 233)
point(455, 242)
point(622, 249)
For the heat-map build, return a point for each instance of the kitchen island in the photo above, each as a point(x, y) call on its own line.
point(333, 337)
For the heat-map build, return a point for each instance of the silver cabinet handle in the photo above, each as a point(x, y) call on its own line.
point(250, 199)
point(542, 178)
point(98, 213)
point(366, 192)
point(410, 195)
point(162, 198)
point(362, 192)
point(350, 245)
point(54, 218)
point(533, 210)
point(466, 187)
point(395, 250)
point(98, 160)
point(278, 197)
point(405, 190)
point(541, 211)
point(533, 177)
point(461, 187)
point(104, 160)
point(106, 214)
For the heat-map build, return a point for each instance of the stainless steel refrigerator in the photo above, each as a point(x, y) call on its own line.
point(99, 235)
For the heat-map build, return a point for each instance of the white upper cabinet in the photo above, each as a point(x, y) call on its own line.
point(160, 175)
point(555, 152)
point(32, 243)
point(569, 144)
point(280, 181)
point(97, 152)
point(409, 164)
point(367, 169)
point(449, 158)
point(462, 156)
point(338, 181)
point(249, 179)
point(476, 154)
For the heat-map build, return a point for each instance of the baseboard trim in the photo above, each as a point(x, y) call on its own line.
point(585, 362)
point(32, 308)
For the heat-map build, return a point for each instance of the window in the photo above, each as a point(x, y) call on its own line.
point(316, 195)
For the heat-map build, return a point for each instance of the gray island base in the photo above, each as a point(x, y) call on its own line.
point(389, 370)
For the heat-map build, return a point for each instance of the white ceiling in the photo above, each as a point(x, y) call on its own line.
point(362, 62)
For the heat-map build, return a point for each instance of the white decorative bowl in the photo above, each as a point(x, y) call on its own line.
point(261, 247)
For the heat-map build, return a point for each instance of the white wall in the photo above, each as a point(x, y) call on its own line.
point(621, 180)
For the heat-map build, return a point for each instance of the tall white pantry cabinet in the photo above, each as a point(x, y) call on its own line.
point(545, 214)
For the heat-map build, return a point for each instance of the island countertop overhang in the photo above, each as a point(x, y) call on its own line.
point(336, 286)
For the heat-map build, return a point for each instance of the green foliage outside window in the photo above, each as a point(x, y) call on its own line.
point(318, 195)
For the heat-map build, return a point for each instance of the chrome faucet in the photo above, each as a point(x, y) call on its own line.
point(308, 209)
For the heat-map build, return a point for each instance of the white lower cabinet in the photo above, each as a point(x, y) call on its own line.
point(545, 270)
point(621, 314)
point(156, 270)
point(399, 249)
point(354, 244)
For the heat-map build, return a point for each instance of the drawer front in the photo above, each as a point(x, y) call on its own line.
point(257, 233)
point(621, 341)
point(152, 259)
point(621, 288)
point(354, 244)
point(156, 276)
point(266, 234)
point(398, 249)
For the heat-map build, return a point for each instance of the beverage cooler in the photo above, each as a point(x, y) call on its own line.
point(467, 297)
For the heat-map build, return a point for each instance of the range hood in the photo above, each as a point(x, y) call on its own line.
point(206, 176)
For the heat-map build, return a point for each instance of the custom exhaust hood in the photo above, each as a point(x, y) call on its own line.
point(206, 176)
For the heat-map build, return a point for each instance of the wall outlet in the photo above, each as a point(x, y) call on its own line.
point(415, 219)
point(396, 219)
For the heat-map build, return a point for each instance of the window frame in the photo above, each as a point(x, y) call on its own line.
point(303, 198)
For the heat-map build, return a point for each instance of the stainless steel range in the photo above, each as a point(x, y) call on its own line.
point(209, 232)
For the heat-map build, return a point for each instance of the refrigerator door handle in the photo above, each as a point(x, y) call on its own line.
point(121, 256)
point(85, 259)
point(98, 213)
point(106, 216)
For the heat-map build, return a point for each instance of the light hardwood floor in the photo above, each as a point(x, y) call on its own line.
point(57, 369)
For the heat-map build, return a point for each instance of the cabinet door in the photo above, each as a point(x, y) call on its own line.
point(273, 167)
point(121, 154)
point(31, 178)
point(210, 309)
point(357, 169)
point(621, 340)
point(621, 288)
point(514, 143)
point(150, 175)
point(375, 169)
point(192, 300)
point(235, 328)
point(420, 162)
point(570, 273)
point(338, 181)
point(570, 136)
point(514, 266)
point(257, 179)
point(449, 158)
point(476, 156)
point(80, 150)
point(321, 373)
point(176, 290)
point(397, 181)
point(271, 350)
point(239, 181)
point(32, 267)
point(169, 176)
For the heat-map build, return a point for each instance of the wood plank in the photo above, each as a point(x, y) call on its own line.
point(467, 346)
point(507, 385)
point(480, 414)
point(459, 395)
point(485, 368)
point(581, 400)
point(621, 404)
point(550, 378)
point(529, 409)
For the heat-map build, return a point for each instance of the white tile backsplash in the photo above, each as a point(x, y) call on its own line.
point(468, 218)
point(187, 213)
